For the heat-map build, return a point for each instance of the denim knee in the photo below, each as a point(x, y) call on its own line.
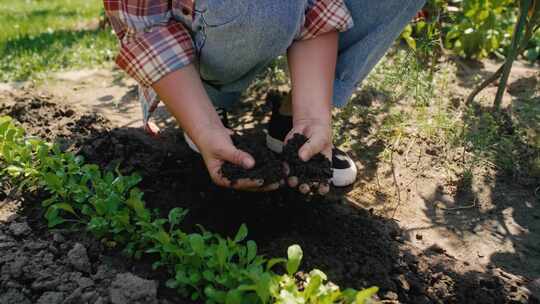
point(234, 51)
point(377, 25)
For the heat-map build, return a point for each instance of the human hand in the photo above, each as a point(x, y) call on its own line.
point(319, 134)
point(216, 148)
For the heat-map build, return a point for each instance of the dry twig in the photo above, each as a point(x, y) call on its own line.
point(396, 185)
point(473, 205)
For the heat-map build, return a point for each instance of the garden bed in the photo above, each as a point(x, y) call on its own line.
point(354, 247)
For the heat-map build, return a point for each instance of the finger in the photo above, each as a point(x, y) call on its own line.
point(296, 130)
point(268, 188)
point(247, 184)
point(324, 189)
point(286, 169)
point(313, 146)
point(304, 188)
point(214, 170)
point(271, 187)
point(241, 184)
point(237, 157)
point(220, 181)
point(292, 181)
point(328, 152)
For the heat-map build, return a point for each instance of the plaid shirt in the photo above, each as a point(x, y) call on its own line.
point(153, 43)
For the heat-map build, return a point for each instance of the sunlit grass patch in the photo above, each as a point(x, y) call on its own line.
point(39, 37)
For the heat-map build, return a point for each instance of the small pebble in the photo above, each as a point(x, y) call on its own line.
point(19, 229)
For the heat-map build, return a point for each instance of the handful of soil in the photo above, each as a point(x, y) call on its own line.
point(317, 170)
point(267, 167)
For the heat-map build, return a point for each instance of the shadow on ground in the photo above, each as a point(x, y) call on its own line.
point(496, 200)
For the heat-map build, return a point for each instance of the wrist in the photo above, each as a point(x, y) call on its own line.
point(203, 133)
point(312, 121)
point(313, 118)
point(309, 111)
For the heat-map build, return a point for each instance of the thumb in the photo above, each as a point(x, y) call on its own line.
point(313, 146)
point(238, 157)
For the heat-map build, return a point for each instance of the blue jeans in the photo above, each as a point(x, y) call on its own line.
point(237, 39)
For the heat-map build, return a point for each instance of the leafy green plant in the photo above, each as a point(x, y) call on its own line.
point(482, 27)
point(423, 35)
point(469, 28)
point(203, 265)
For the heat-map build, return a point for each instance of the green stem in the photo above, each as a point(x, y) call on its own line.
point(513, 52)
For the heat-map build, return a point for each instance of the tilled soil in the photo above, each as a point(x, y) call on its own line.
point(268, 167)
point(317, 170)
point(353, 246)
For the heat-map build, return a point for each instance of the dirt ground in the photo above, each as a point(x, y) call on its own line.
point(439, 243)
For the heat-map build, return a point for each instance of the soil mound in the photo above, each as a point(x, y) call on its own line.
point(267, 165)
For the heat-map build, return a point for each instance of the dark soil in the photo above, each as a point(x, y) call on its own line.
point(353, 246)
point(317, 170)
point(267, 166)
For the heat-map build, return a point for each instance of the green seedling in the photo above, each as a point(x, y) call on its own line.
point(203, 265)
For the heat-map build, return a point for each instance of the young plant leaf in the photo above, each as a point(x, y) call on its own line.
point(242, 234)
point(217, 296)
point(53, 217)
point(64, 206)
point(177, 215)
point(316, 278)
point(272, 262)
point(222, 253)
point(234, 297)
point(294, 254)
point(208, 275)
point(14, 170)
point(197, 243)
point(251, 251)
point(365, 295)
point(263, 287)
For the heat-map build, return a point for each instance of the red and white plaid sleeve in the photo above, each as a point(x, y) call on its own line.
point(152, 44)
point(325, 16)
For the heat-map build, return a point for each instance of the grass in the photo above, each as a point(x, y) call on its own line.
point(39, 37)
point(412, 101)
point(403, 100)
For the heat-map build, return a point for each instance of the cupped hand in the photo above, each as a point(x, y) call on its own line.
point(216, 147)
point(319, 134)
